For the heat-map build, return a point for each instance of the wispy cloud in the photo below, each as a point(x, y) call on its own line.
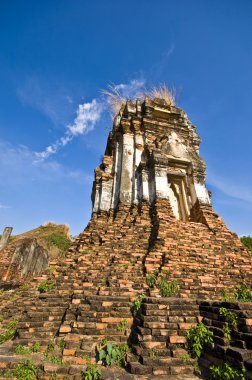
point(231, 189)
point(158, 68)
point(49, 98)
point(18, 168)
point(2, 207)
point(87, 115)
point(133, 89)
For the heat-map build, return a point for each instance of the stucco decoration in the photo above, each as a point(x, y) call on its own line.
point(152, 153)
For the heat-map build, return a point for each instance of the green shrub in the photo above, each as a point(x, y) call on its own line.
point(111, 354)
point(60, 241)
point(62, 344)
point(137, 303)
point(231, 320)
point(167, 289)
point(10, 332)
point(46, 286)
point(35, 347)
point(25, 370)
point(23, 350)
point(247, 241)
point(151, 279)
point(224, 371)
point(53, 353)
point(243, 294)
point(122, 325)
point(92, 372)
point(198, 337)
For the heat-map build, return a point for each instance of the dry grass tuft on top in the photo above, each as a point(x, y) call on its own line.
point(116, 100)
point(163, 92)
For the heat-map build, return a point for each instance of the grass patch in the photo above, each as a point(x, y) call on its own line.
point(25, 370)
point(10, 332)
point(60, 241)
point(46, 286)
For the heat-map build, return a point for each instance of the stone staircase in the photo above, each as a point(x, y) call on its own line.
point(159, 337)
point(101, 275)
point(238, 349)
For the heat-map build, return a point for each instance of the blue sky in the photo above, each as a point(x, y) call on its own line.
point(56, 56)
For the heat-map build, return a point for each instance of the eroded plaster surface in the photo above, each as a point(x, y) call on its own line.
point(152, 152)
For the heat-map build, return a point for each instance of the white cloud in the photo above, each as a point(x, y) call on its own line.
point(88, 114)
point(133, 89)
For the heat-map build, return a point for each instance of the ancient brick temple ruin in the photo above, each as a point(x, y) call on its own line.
point(152, 218)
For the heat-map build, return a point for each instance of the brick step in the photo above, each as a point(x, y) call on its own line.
point(164, 361)
point(159, 372)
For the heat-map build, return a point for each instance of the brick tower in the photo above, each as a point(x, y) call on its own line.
point(152, 218)
point(151, 208)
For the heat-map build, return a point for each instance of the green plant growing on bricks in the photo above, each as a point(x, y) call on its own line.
point(224, 371)
point(10, 332)
point(243, 294)
point(111, 354)
point(25, 370)
point(122, 325)
point(198, 337)
point(231, 320)
point(151, 279)
point(92, 372)
point(167, 289)
point(46, 286)
point(23, 350)
point(137, 303)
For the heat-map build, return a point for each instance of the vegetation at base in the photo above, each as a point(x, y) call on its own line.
point(10, 332)
point(247, 241)
point(224, 371)
point(241, 294)
point(52, 268)
point(186, 358)
point(137, 303)
point(46, 286)
point(60, 241)
point(24, 287)
point(198, 337)
point(231, 320)
point(92, 372)
point(111, 354)
point(122, 325)
point(151, 279)
point(23, 350)
point(167, 289)
point(153, 352)
point(25, 370)
point(53, 353)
